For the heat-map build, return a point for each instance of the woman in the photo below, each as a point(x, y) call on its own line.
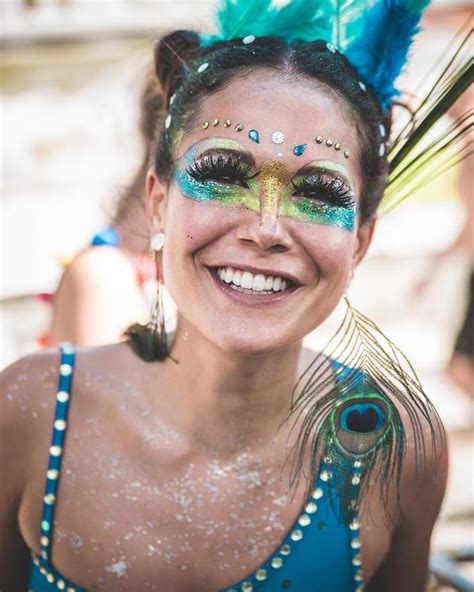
point(178, 475)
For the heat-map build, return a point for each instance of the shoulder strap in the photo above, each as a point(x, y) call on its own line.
point(55, 452)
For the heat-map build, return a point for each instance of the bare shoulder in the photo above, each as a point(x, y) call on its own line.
point(27, 400)
point(95, 263)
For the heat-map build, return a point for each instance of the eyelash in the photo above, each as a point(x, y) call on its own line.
point(221, 169)
point(319, 187)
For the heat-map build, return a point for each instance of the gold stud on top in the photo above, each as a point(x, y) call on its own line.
point(337, 146)
point(346, 154)
point(329, 143)
point(319, 140)
point(227, 123)
point(215, 122)
point(239, 127)
point(205, 125)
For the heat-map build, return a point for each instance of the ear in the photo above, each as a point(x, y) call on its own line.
point(156, 202)
point(365, 233)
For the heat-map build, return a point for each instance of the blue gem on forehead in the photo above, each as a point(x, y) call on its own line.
point(299, 150)
point(254, 136)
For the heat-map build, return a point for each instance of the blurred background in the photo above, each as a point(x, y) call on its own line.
point(71, 72)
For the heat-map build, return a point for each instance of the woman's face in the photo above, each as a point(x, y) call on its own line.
point(261, 218)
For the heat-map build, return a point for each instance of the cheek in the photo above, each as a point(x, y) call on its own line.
point(331, 249)
point(190, 226)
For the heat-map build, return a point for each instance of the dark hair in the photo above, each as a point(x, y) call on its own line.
point(152, 107)
point(179, 54)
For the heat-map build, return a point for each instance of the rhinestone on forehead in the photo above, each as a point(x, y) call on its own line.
point(278, 137)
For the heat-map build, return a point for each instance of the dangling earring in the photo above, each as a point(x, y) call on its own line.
point(157, 323)
point(150, 341)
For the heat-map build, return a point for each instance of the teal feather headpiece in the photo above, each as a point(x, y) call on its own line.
point(378, 57)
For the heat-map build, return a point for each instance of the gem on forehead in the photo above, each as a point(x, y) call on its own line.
point(254, 136)
point(278, 137)
point(203, 67)
point(299, 150)
point(248, 39)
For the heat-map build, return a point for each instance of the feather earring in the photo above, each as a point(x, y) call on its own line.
point(151, 340)
point(350, 412)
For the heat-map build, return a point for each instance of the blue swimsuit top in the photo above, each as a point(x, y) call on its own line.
point(319, 553)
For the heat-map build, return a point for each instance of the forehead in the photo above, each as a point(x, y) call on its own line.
point(268, 101)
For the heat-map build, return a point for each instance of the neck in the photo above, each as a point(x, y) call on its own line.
point(227, 402)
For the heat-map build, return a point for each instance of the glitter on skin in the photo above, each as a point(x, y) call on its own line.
point(269, 193)
point(273, 176)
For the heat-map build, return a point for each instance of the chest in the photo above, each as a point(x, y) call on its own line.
point(130, 514)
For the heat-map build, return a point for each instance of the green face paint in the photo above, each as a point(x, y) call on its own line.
point(210, 190)
point(268, 192)
point(322, 211)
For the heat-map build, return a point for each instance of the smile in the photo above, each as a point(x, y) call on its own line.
point(244, 281)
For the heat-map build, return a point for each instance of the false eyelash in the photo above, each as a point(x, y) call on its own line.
point(320, 187)
point(220, 168)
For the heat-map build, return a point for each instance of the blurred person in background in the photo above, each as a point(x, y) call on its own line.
point(262, 200)
point(101, 292)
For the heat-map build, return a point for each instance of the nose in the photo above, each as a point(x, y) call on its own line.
point(267, 232)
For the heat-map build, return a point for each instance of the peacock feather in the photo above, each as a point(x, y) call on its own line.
point(352, 414)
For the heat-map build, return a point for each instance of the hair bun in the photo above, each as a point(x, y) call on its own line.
point(171, 53)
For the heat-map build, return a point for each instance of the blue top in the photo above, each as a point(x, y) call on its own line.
point(319, 552)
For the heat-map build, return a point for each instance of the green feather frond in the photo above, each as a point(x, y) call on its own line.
point(370, 372)
point(423, 148)
point(446, 149)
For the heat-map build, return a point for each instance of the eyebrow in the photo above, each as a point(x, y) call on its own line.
point(242, 155)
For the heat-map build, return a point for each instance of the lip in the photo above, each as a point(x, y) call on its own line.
point(255, 271)
point(249, 299)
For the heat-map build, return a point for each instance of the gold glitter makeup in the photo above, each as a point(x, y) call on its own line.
point(273, 178)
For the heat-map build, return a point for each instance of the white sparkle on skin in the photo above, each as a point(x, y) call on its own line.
point(119, 569)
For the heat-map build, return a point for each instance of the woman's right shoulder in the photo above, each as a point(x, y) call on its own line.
point(27, 401)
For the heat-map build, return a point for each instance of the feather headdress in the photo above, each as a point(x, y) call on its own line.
point(378, 57)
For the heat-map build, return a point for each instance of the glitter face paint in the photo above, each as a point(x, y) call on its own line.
point(269, 193)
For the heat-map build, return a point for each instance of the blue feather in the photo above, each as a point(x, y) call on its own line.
point(379, 57)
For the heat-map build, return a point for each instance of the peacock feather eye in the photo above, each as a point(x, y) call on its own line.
point(361, 422)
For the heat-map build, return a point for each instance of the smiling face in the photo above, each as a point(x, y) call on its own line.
point(261, 214)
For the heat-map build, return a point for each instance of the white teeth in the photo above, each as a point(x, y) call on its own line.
point(237, 279)
point(248, 281)
point(229, 274)
point(258, 283)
